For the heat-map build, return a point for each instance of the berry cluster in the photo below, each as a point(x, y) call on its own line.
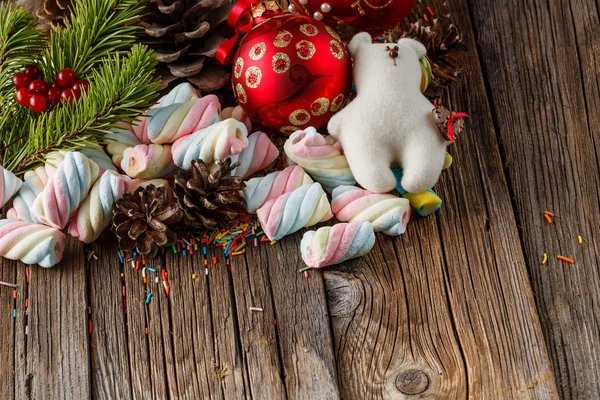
point(35, 93)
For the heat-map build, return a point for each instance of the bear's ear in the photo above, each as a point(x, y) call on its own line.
point(414, 45)
point(360, 39)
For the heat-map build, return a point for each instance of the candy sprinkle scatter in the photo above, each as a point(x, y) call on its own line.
point(566, 259)
point(545, 259)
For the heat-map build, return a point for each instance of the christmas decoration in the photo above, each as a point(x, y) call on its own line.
point(66, 190)
point(9, 186)
point(444, 47)
point(31, 243)
point(209, 200)
point(290, 212)
point(260, 190)
point(388, 213)
point(374, 16)
point(324, 162)
point(291, 72)
point(185, 35)
point(216, 142)
point(405, 133)
point(331, 245)
point(95, 213)
point(141, 220)
point(259, 154)
point(148, 161)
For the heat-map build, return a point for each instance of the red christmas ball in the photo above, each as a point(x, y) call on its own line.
point(373, 16)
point(291, 72)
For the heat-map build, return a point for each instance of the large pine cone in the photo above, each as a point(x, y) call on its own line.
point(142, 220)
point(209, 200)
point(185, 35)
point(52, 13)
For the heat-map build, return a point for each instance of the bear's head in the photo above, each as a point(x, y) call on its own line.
point(389, 63)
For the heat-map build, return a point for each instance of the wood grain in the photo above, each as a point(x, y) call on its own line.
point(8, 273)
point(258, 336)
point(305, 340)
point(546, 106)
point(57, 343)
point(110, 371)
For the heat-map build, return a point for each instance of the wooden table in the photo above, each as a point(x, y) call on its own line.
point(458, 307)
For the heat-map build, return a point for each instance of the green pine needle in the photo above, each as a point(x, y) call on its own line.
point(121, 88)
point(95, 28)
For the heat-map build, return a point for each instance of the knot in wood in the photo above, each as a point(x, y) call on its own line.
point(412, 381)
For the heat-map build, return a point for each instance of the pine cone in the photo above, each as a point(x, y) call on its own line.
point(209, 200)
point(141, 220)
point(52, 13)
point(444, 46)
point(185, 35)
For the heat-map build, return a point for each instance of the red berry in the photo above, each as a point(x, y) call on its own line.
point(23, 96)
point(81, 85)
point(66, 78)
point(33, 72)
point(38, 103)
point(68, 96)
point(38, 86)
point(20, 80)
point(54, 95)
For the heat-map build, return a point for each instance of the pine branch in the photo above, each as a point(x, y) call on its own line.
point(121, 88)
point(95, 29)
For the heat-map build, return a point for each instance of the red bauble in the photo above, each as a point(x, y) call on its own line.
point(291, 72)
point(38, 103)
point(373, 16)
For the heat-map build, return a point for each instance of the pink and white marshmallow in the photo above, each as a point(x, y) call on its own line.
point(148, 161)
point(237, 113)
point(260, 190)
point(9, 185)
point(34, 182)
point(388, 213)
point(66, 190)
point(259, 154)
point(31, 243)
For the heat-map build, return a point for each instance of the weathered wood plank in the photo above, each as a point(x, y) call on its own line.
point(305, 340)
point(110, 371)
point(257, 329)
point(551, 151)
point(57, 361)
point(8, 273)
point(462, 325)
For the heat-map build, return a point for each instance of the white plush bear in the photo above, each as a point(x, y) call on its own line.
point(390, 122)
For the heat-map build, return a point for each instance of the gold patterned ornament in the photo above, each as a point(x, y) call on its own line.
point(258, 51)
point(283, 39)
point(238, 67)
point(253, 77)
point(241, 93)
point(337, 103)
point(336, 49)
point(299, 117)
point(281, 63)
point(288, 130)
point(309, 30)
point(305, 49)
point(320, 106)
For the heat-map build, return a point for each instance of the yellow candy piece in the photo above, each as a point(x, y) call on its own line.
point(447, 161)
point(425, 203)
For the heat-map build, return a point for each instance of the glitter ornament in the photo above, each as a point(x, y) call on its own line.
point(291, 72)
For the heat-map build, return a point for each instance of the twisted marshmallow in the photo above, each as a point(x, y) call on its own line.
point(97, 155)
point(260, 190)
point(259, 154)
point(388, 214)
point(217, 142)
point(179, 94)
point(31, 243)
point(292, 211)
point(33, 184)
point(118, 141)
point(9, 185)
point(95, 212)
point(332, 245)
point(322, 160)
point(237, 113)
point(167, 124)
point(66, 190)
point(147, 161)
